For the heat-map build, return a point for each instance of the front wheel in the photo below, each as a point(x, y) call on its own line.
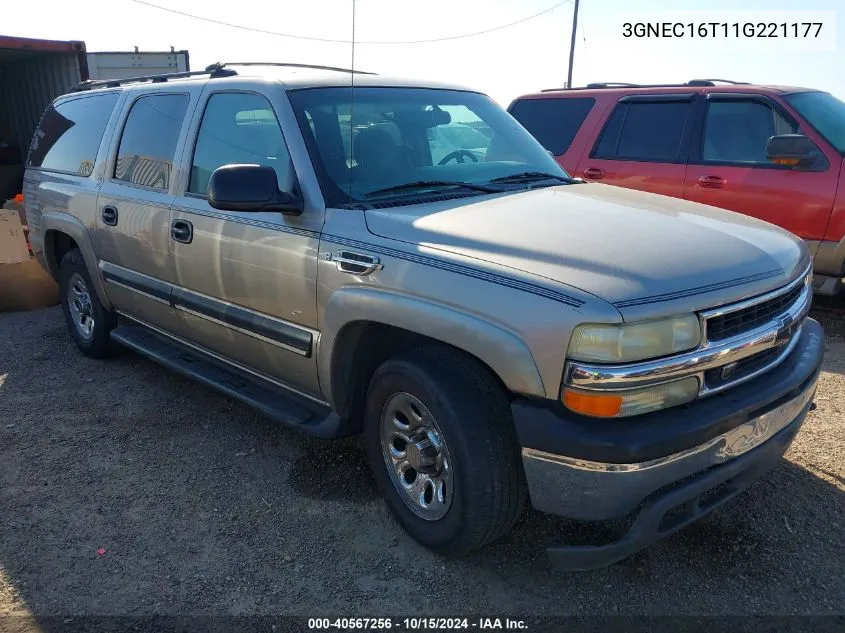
point(443, 449)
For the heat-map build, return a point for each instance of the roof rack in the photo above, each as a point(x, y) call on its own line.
point(214, 71)
point(613, 84)
point(293, 65)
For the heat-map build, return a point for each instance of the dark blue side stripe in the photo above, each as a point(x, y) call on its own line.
point(680, 294)
point(459, 269)
point(228, 217)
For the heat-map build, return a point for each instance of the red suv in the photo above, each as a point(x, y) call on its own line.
point(771, 152)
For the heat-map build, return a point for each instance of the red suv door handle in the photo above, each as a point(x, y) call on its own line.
point(712, 182)
point(594, 173)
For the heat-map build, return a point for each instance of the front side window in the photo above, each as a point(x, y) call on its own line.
point(239, 129)
point(824, 112)
point(399, 137)
point(70, 132)
point(148, 144)
point(647, 131)
point(553, 122)
point(738, 131)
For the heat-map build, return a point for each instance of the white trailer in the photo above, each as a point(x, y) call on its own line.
point(121, 65)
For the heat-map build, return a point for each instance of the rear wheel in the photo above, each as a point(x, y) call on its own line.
point(88, 322)
point(443, 450)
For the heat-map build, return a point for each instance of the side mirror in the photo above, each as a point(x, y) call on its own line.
point(796, 150)
point(250, 188)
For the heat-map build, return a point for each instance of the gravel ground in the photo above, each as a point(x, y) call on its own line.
point(203, 506)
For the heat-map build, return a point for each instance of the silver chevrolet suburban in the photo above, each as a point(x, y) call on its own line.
point(497, 330)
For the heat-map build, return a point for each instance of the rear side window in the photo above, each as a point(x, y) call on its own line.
point(148, 144)
point(70, 132)
point(553, 122)
point(649, 131)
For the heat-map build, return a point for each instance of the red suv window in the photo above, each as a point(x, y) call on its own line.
point(553, 122)
point(645, 131)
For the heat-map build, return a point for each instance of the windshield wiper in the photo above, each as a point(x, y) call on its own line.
point(422, 184)
point(531, 176)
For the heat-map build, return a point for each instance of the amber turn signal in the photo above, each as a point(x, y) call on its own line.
point(595, 404)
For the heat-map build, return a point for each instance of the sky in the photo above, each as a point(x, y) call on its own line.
point(504, 63)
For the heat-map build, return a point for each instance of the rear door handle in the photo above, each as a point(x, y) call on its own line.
point(109, 215)
point(182, 231)
point(594, 173)
point(712, 182)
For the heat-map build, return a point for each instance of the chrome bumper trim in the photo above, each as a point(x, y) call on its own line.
point(594, 491)
point(783, 331)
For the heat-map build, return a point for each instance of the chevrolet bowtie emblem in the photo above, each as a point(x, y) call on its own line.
point(728, 370)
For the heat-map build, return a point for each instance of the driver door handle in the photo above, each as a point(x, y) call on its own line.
point(355, 263)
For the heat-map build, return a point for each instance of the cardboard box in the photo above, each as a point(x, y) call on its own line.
point(13, 248)
point(26, 286)
point(16, 205)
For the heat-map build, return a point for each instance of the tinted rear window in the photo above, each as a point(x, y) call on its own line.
point(553, 122)
point(70, 132)
point(651, 131)
point(148, 145)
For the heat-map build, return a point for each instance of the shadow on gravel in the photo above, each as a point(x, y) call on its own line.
point(333, 470)
point(757, 536)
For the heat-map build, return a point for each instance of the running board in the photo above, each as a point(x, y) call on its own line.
point(274, 401)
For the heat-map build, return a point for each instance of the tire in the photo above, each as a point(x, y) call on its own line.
point(88, 322)
point(480, 470)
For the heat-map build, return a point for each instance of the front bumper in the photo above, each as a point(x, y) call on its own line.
point(697, 456)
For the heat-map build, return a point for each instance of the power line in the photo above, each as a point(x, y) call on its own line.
point(334, 41)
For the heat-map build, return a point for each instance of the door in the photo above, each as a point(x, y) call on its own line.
point(728, 167)
point(643, 145)
point(246, 281)
point(133, 235)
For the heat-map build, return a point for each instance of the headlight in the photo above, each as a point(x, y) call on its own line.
point(617, 404)
point(622, 343)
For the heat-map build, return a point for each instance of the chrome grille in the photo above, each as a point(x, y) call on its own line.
point(740, 341)
point(715, 379)
point(744, 320)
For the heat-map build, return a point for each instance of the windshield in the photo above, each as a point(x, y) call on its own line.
point(392, 137)
point(825, 113)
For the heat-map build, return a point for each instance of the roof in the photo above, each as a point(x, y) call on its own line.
point(616, 91)
point(292, 76)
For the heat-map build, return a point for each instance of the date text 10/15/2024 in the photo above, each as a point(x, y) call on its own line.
point(416, 624)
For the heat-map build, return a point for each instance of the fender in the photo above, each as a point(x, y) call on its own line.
point(68, 224)
point(829, 257)
point(501, 349)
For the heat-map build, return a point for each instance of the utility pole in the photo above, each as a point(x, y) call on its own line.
point(572, 44)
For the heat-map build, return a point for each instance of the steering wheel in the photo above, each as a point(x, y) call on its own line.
point(458, 155)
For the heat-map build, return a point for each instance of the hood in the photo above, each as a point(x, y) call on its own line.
point(627, 247)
